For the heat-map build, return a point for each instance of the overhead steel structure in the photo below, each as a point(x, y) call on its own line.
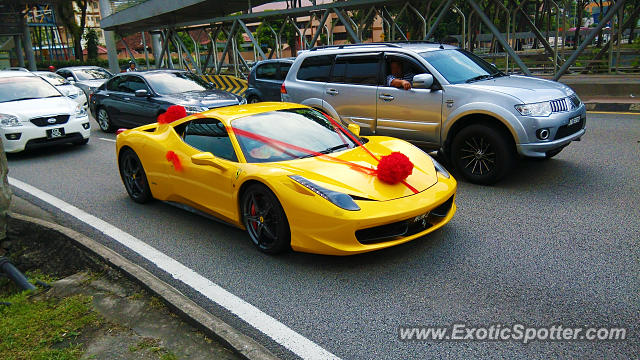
point(169, 18)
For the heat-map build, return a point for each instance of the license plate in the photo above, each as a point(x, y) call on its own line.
point(574, 121)
point(55, 133)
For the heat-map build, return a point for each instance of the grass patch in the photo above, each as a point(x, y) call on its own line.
point(31, 329)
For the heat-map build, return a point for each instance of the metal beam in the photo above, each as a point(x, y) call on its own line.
point(226, 47)
point(435, 24)
point(611, 11)
point(252, 39)
point(485, 19)
point(126, 46)
point(347, 25)
point(323, 20)
point(186, 51)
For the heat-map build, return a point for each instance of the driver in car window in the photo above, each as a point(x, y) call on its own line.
point(398, 78)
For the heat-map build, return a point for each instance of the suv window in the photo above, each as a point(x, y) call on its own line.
point(284, 69)
point(210, 135)
point(359, 70)
point(268, 71)
point(315, 68)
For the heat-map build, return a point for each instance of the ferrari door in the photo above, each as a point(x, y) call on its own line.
point(207, 187)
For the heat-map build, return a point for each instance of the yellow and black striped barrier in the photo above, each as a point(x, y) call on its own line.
point(228, 83)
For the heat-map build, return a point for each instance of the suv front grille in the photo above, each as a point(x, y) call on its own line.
point(559, 105)
point(44, 121)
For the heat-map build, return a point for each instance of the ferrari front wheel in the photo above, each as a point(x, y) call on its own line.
point(134, 177)
point(265, 220)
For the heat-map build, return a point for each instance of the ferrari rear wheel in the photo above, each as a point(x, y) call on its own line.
point(265, 220)
point(134, 177)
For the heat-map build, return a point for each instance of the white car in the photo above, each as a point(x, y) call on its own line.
point(33, 113)
point(66, 88)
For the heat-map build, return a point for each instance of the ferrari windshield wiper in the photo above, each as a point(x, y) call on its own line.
point(478, 78)
point(326, 151)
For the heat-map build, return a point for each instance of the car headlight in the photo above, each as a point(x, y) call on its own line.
point(194, 109)
point(7, 121)
point(441, 169)
point(81, 111)
point(535, 109)
point(338, 199)
point(242, 101)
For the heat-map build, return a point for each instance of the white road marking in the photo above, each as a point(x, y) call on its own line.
point(105, 139)
point(271, 327)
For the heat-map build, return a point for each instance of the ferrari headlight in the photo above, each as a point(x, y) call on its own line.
point(441, 169)
point(194, 109)
point(7, 121)
point(339, 199)
point(535, 109)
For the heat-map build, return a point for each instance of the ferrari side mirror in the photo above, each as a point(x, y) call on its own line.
point(354, 128)
point(207, 158)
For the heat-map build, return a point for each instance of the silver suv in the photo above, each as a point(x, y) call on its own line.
point(477, 116)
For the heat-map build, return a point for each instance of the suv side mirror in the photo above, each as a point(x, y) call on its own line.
point(354, 128)
point(423, 81)
point(207, 158)
point(142, 93)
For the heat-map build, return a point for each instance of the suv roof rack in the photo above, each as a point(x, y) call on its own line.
point(353, 45)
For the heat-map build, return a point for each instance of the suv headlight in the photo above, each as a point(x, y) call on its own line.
point(338, 199)
point(81, 111)
point(535, 109)
point(194, 109)
point(7, 121)
point(441, 169)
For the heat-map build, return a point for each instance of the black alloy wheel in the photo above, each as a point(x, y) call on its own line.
point(265, 220)
point(134, 177)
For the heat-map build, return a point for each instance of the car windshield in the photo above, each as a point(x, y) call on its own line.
point(460, 66)
point(287, 135)
point(25, 88)
point(175, 82)
point(92, 74)
point(54, 79)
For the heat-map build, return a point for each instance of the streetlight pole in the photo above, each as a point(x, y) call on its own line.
point(456, 10)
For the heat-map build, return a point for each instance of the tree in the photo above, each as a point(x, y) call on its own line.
point(264, 35)
point(67, 16)
point(91, 37)
point(5, 193)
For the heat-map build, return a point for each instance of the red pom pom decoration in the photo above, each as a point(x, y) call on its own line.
point(173, 113)
point(173, 157)
point(394, 168)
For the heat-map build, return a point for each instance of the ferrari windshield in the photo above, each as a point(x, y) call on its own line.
point(288, 134)
point(25, 88)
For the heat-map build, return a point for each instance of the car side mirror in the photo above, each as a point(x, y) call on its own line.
point(207, 158)
point(354, 128)
point(142, 93)
point(71, 79)
point(423, 81)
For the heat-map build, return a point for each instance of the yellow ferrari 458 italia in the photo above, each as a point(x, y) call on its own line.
point(290, 175)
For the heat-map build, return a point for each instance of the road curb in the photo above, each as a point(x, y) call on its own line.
point(613, 107)
point(178, 302)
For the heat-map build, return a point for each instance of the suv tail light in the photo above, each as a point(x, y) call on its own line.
point(283, 89)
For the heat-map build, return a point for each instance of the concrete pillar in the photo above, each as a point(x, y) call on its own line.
point(17, 45)
point(28, 48)
point(156, 45)
point(109, 39)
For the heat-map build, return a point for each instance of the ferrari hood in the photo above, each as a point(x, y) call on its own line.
point(339, 176)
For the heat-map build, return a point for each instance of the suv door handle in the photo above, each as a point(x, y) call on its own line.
point(332, 92)
point(386, 97)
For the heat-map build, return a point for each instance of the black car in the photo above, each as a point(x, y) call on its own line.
point(265, 80)
point(137, 98)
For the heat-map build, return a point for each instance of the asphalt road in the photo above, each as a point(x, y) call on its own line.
point(558, 242)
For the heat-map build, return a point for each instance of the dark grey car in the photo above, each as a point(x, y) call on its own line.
point(137, 98)
point(265, 80)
